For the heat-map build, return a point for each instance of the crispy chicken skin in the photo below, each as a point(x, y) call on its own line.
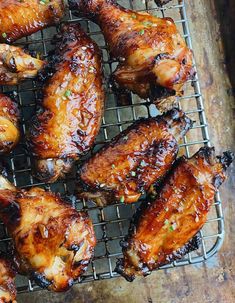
point(72, 106)
point(16, 65)
point(154, 61)
point(53, 243)
point(138, 157)
point(7, 283)
point(161, 228)
point(22, 18)
point(9, 128)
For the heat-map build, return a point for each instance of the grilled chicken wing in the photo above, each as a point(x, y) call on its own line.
point(53, 242)
point(7, 284)
point(9, 128)
point(23, 18)
point(160, 229)
point(154, 59)
point(16, 65)
point(73, 99)
point(135, 159)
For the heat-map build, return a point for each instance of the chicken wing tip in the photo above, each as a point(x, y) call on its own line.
point(208, 153)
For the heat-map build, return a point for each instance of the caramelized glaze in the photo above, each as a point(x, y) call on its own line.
point(7, 283)
point(53, 243)
point(16, 65)
point(154, 59)
point(135, 159)
point(9, 128)
point(22, 18)
point(161, 228)
point(72, 106)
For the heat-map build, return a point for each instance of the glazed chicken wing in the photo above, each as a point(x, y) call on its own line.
point(53, 242)
point(135, 159)
point(7, 283)
point(73, 99)
point(161, 229)
point(9, 128)
point(154, 61)
point(23, 18)
point(16, 65)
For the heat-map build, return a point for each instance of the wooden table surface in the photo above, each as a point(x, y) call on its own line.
point(212, 25)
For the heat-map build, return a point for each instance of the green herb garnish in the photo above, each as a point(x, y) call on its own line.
point(122, 199)
point(4, 35)
point(147, 23)
point(67, 93)
point(141, 32)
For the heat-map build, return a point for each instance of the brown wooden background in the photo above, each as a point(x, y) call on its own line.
point(212, 25)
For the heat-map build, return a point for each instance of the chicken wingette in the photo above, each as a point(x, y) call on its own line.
point(53, 242)
point(9, 124)
point(161, 229)
point(138, 157)
point(7, 281)
point(21, 18)
point(72, 106)
point(16, 65)
point(154, 61)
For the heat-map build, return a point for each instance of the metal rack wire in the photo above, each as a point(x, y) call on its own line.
point(111, 223)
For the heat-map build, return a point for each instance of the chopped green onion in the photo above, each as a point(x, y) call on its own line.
point(113, 166)
point(67, 93)
point(147, 23)
point(166, 222)
point(122, 199)
point(143, 163)
point(141, 32)
point(44, 2)
point(4, 35)
point(171, 228)
point(133, 173)
point(133, 16)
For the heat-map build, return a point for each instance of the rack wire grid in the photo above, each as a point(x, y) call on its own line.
point(111, 223)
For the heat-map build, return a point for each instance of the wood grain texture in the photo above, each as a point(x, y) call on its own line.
point(212, 282)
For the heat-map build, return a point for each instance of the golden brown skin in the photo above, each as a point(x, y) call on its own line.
point(154, 59)
point(9, 128)
point(22, 18)
point(73, 100)
point(161, 228)
point(53, 243)
point(7, 283)
point(16, 65)
point(138, 157)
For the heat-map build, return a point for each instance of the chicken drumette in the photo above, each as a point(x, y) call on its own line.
point(53, 243)
point(7, 283)
point(72, 105)
point(9, 128)
point(135, 159)
point(22, 18)
point(161, 230)
point(154, 61)
point(16, 65)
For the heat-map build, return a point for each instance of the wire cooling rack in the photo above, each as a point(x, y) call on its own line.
point(111, 223)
